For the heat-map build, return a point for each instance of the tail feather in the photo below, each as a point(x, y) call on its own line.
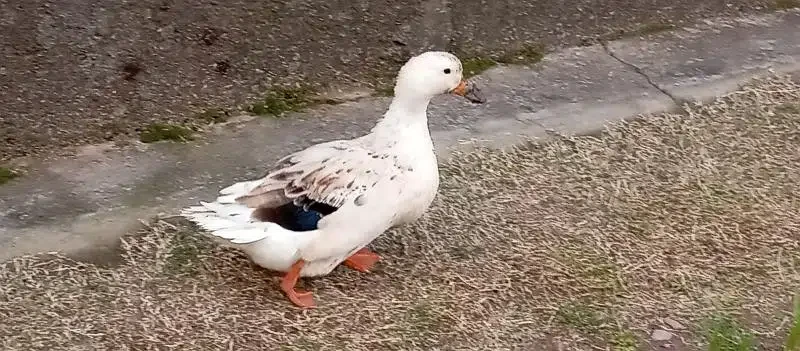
point(246, 234)
point(228, 221)
point(241, 188)
point(268, 243)
point(228, 199)
point(234, 211)
point(234, 222)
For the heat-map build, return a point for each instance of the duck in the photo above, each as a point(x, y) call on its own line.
point(320, 207)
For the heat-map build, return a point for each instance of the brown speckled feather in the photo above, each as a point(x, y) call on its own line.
point(330, 173)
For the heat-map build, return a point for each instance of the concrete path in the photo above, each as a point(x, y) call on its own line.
point(82, 205)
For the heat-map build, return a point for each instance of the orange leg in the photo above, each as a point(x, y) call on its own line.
point(298, 297)
point(362, 261)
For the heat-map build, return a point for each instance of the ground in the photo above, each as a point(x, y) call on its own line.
point(82, 72)
point(677, 226)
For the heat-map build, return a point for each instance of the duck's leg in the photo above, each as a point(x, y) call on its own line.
point(298, 297)
point(362, 260)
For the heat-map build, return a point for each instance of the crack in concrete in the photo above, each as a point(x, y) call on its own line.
point(641, 72)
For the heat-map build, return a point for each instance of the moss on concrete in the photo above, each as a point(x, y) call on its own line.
point(786, 4)
point(279, 101)
point(165, 132)
point(7, 175)
point(525, 55)
point(473, 66)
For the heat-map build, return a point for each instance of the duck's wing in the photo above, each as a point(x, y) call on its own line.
point(332, 173)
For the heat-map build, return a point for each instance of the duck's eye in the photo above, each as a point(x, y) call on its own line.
point(446, 71)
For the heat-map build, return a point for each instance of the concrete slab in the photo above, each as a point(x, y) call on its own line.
point(608, 89)
point(708, 60)
point(87, 202)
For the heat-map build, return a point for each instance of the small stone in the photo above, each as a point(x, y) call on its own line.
point(675, 325)
point(660, 335)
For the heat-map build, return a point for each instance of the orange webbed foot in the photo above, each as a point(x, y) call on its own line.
point(362, 261)
point(298, 297)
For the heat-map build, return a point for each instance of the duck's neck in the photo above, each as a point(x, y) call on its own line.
point(405, 113)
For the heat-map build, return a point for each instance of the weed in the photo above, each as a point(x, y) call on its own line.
point(624, 340)
point(472, 66)
point(163, 131)
point(528, 54)
point(594, 270)
point(7, 175)
point(279, 101)
point(726, 334)
point(580, 317)
point(786, 4)
point(641, 30)
point(793, 340)
point(652, 28)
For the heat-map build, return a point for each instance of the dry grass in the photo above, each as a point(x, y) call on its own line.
point(578, 244)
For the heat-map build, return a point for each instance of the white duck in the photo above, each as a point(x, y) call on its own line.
point(320, 207)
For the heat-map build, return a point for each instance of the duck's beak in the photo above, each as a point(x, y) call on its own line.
point(469, 91)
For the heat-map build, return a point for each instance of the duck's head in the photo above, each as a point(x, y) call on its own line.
point(434, 73)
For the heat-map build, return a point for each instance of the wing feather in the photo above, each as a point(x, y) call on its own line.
point(331, 173)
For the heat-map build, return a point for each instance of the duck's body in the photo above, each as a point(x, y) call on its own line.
point(320, 207)
point(394, 188)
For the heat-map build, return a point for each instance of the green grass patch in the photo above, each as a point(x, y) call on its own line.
point(278, 102)
point(593, 270)
point(473, 66)
point(597, 323)
point(641, 30)
point(786, 4)
point(724, 333)
point(793, 339)
point(580, 317)
point(624, 340)
point(166, 132)
point(652, 28)
point(7, 175)
point(526, 55)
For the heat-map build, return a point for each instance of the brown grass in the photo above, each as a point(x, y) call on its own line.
point(581, 243)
